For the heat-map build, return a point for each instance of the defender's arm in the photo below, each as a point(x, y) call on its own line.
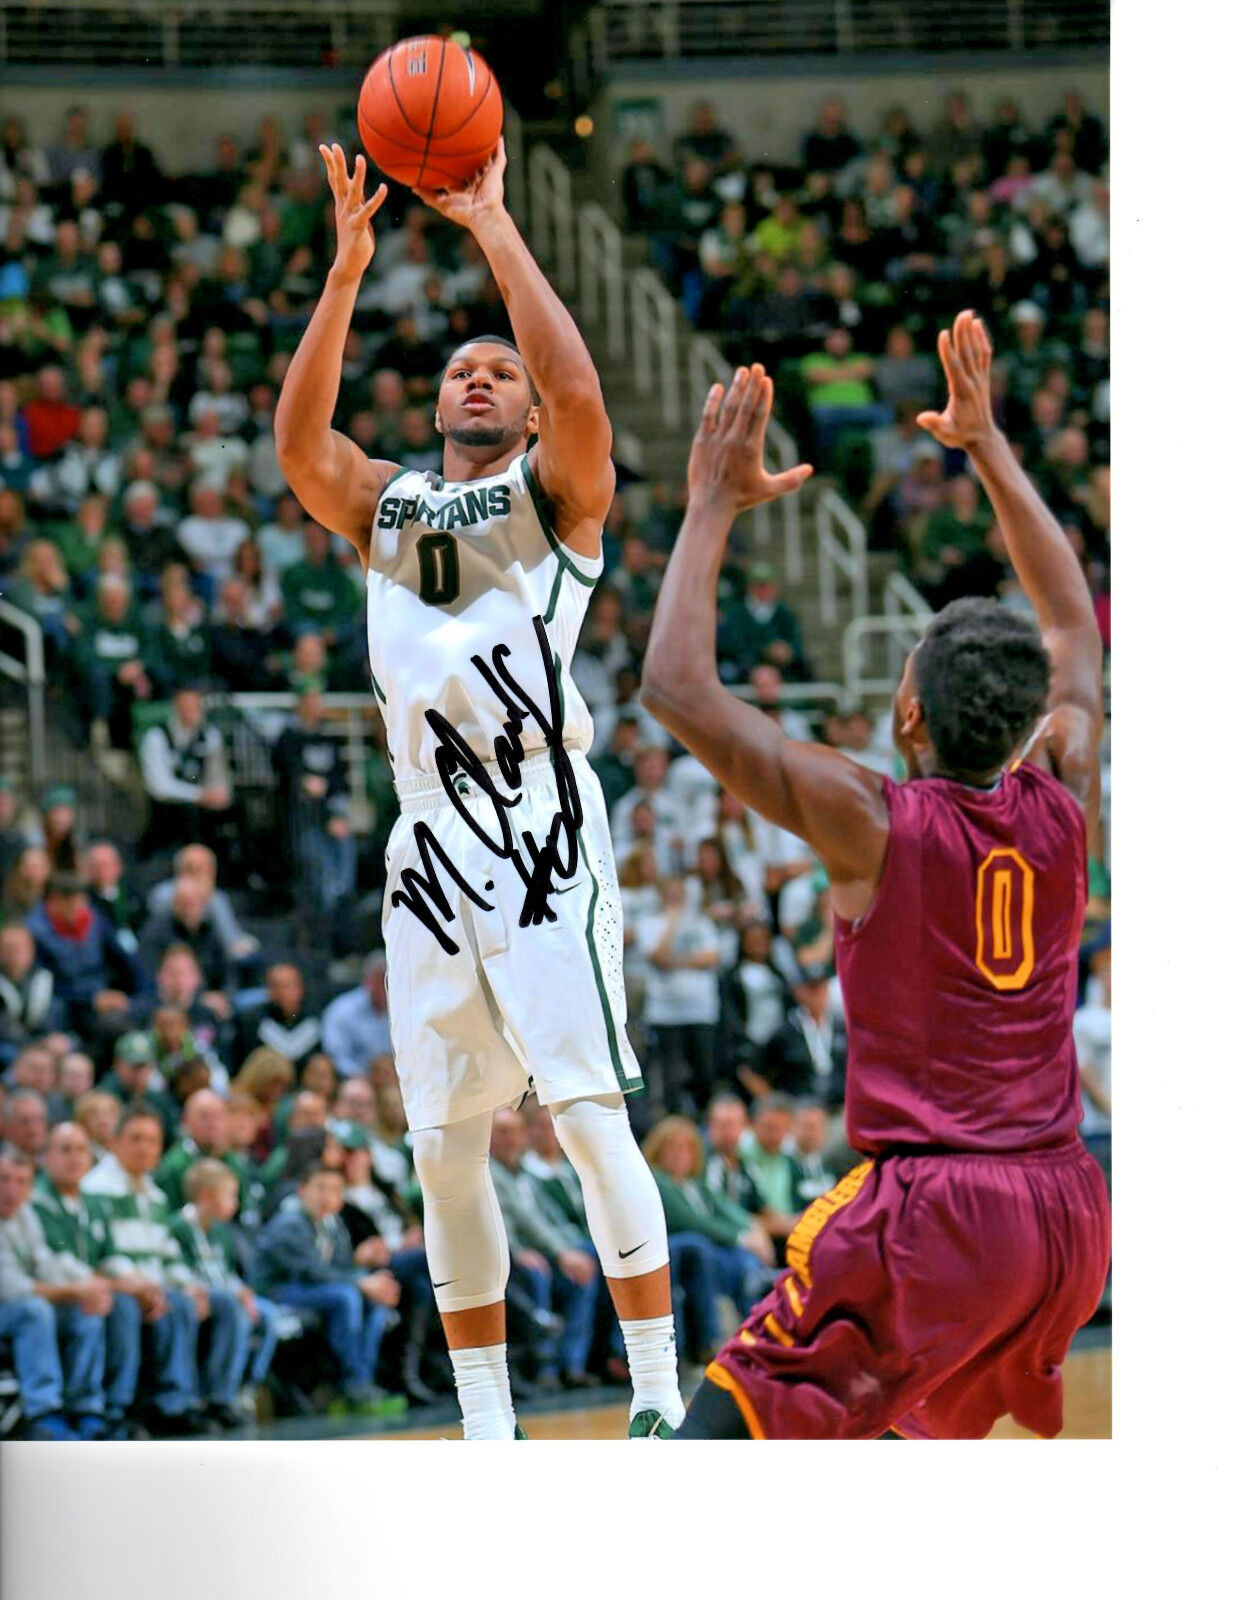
point(1067, 741)
point(834, 804)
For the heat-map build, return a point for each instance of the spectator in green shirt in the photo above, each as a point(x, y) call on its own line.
point(954, 559)
point(112, 651)
point(318, 595)
point(180, 643)
point(732, 1249)
point(840, 395)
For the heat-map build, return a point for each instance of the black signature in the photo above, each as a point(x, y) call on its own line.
point(423, 893)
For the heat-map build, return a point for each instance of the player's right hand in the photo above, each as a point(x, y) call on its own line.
point(965, 355)
point(354, 238)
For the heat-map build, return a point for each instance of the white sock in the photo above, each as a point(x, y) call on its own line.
point(652, 1355)
point(484, 1390)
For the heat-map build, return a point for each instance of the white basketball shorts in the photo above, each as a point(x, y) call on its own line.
point(481, 1008)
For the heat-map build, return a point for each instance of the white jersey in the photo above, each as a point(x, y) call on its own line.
point(457, 571)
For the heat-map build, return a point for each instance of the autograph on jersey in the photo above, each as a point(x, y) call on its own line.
point(423, 893)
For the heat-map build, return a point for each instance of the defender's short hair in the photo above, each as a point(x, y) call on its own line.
point(982, 676)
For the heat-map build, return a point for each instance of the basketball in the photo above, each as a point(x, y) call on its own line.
point(430, 113)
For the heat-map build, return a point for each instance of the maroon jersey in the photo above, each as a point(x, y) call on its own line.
point(960, 981)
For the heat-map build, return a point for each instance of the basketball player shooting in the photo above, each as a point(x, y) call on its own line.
point(939, 1285)
point(502, 919)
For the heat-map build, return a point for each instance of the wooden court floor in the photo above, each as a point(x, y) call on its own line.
point(1087, 1410)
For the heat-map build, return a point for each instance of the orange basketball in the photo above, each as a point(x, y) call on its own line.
point(430, 113)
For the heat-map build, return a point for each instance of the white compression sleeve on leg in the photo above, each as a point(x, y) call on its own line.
point(465, 1237)
point(625, 1216)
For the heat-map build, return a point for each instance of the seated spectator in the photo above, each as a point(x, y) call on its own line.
point(241, 655)
point(25, 887)
point(305, 1260)
point(954, 560)
point(686, 207)
point(754, 1002)
point(760, 627)
point(830, 146)
point(98, 1116)
point(311, 764)
point(203, 1135)
point(550, 1259)
point(43, 589)
point(809, 1148)
point(209, 538)
point(77, 1231)
point(282, 541)
point(188, 921)
point(903, 375)
point(243, 1333)
point(112, 649)
point(384, 1233)
point(682, 1001)
point(806, 1054)
point(135, 1080)
point(266, 1076)
point(356, 1103)
point(318, 595)
point(180, 991)
point(35, 1067)
point(12, 836)
point(705, 141)
point(140, 1221)
point(100, 982)
point(184, 769)
point(29, 1006)
point(644, 177)
point(716, 890)
point(738, 1254)
point(51, 1313)
point(771, 1168)
point(651, 764)
point(199, 862)
point(839, 392)
point(280, 1021)
point(26, 1122)
point(294, 1149)
point(59, 823)
point(615, 765)
point(722, 1167)
point(180, 644)
point(110, 894)
point(355, 1025)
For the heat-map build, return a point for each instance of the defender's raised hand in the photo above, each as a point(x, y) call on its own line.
point(965, 355)
point(481, 197)
point(355, 242)
point(727, 457)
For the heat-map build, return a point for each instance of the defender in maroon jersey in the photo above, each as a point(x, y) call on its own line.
point(938, 1285)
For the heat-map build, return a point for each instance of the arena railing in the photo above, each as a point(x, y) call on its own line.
point(654, 343)
point(669, 29)
point(841, 542)
point(906, 615)
point(601, 296)
point(29, 669)
point(349, 717)
point(300, 34)
point(551, 218)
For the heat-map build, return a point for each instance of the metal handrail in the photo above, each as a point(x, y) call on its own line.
point(359, 715)
point(906, 615)
point(600, 274)
point(32, 673)
point(654, 332)
point(841, 546)
point(551, 221)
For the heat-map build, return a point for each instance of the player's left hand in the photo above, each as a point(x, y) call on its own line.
point(480, 198)
point(727, 457)
point(965, 355)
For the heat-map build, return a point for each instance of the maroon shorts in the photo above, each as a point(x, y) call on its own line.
point(929, 1293)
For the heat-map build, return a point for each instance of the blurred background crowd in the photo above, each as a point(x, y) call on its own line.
point(208, 1213)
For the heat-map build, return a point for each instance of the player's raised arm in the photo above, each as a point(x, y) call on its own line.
point(333, 479)
point(834, 804)
point(574, 438)
point(1042, 557)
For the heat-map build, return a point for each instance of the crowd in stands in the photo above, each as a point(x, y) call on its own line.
point(838, 270)
point(207, 1200)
